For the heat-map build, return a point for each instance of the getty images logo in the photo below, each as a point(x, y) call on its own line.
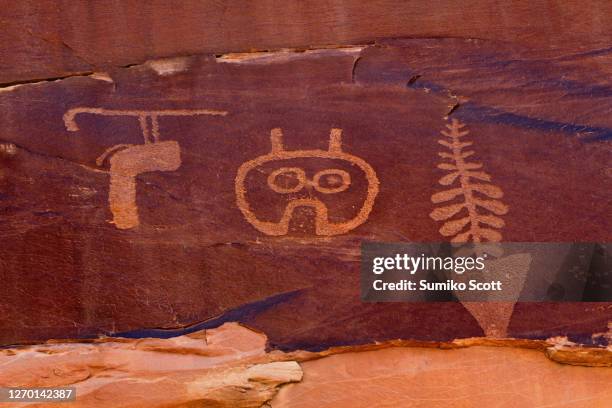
point(412, 264)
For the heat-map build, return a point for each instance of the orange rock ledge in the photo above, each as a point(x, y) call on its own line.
point(230, 367)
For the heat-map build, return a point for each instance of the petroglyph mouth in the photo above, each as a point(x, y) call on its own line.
point(299, 214)
point(305, 215)
point(303, 220)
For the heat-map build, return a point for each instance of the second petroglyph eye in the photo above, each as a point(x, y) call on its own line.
point(331, 181)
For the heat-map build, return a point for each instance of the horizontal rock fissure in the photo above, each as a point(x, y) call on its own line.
point(35, 81)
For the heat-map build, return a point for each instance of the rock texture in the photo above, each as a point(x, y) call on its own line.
point(223, 367)
point(45, 40)
point(472, 377)
point(229, 367)
point(169, 173)
point(124, 190)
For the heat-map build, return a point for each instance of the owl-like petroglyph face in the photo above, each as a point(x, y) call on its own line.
point(278, 190)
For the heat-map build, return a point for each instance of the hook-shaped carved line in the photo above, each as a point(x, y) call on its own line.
point(109, 151)
point(71, 125)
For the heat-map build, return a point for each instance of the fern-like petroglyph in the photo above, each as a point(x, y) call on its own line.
point(479, 205)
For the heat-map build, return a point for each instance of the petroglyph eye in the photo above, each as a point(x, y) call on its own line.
point(331, 181)
point(287, 180)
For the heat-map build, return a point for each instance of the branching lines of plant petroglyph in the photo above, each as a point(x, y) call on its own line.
point(468, 182)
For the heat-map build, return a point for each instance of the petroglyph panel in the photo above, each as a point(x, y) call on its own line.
point(183, 250)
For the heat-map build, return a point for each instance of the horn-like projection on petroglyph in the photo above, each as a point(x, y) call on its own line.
point(476, 201)
point(128, 161)
point(306, 192)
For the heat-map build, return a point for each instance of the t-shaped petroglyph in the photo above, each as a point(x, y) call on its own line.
point(128, 161)
point(336, 181)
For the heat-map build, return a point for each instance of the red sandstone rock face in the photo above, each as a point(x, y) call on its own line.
point(155, 236)
point(148, 170)
point(45, 40)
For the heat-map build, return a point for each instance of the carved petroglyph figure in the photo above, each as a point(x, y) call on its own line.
point(494, 314)
point(125, 165)
point(475, 196)
point(477, 202)
point(128, 161)
point(336, 181)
